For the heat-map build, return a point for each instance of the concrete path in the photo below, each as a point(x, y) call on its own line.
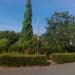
point(64, 69)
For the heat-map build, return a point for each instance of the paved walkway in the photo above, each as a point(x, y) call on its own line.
point(64, 69)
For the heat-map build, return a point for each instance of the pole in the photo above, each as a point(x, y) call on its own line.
point(38, 35)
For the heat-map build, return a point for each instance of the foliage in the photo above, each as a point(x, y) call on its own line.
point(15, 48)
point(30, 51)
point(35, 41)
point(38, 43)
point(60, 18)
point(70, 49)
point(61, 58)
point(22, 60)
point(11, 36)
point(7, 39)
point(4, 45)
point(60, 31)
point(27, 32)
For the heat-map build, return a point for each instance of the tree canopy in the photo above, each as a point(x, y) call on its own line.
point(60, 31)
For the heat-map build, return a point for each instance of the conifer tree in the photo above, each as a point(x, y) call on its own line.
point(27, 31)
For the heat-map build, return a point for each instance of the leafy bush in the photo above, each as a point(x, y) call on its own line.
point(30, 51)
point(15, 48)
point(63, 57)
point(9, 35)
point(22, 60)
point(4, 44)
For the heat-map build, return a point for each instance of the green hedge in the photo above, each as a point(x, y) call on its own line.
point(61, 58)
point(22, 60)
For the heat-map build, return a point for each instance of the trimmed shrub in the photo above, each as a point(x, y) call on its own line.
point(22, 60)
point(61, 58)
point(4, 45)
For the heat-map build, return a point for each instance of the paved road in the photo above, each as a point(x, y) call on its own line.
point(66, 69)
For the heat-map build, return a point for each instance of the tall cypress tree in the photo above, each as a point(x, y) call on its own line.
point(27, 31)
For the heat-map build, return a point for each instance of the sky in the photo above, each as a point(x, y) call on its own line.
point(12, 13)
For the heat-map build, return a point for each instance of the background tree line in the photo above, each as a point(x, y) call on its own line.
point(59, 35)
